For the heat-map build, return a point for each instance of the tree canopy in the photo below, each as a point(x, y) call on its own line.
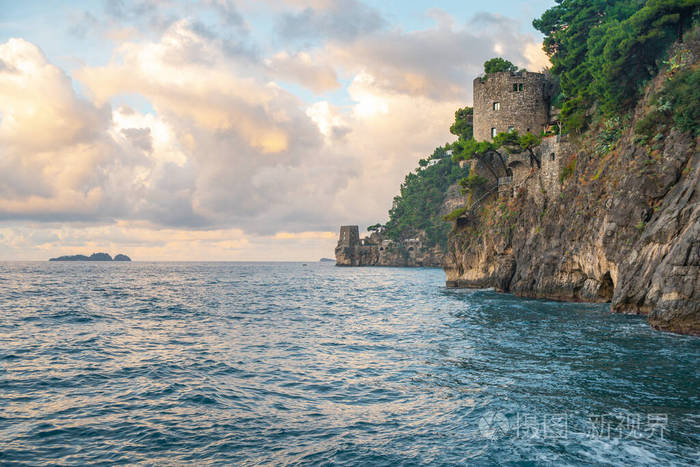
point(463, 127)
point(417, 207)
point(605, 50)
point(498, 64)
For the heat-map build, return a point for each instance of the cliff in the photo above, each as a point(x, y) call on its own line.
point(606, 219)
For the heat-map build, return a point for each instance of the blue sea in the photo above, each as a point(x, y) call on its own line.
point(286, 363)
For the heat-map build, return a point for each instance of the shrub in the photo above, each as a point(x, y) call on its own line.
point(568, 170)
point(454, 214)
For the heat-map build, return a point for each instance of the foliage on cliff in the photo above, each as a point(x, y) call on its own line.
point(417, 207)
point(604, 52)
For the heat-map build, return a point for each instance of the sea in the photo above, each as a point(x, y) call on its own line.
point(312, 364)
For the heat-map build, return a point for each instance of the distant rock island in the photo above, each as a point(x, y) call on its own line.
point(327, 260)
point(92, 257)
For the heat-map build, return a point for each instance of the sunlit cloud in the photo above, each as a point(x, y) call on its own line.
point(239, 146)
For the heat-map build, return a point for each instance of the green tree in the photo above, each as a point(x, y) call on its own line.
point(417, 206)
point(628, 53)
point(463, 127)
point(604, 50)
point(498, 64)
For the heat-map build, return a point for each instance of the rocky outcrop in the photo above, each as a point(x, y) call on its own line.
point(623, 228)
point(608, 217)
point(92, 257)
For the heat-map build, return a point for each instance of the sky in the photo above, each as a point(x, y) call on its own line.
point(229, 130)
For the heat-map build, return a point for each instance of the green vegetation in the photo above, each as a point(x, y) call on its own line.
point(676, 104)
point(492, 154)
point(605, 51)
point(603, 54)
point(417, 207)
point(471, 182)
point(568, 170)
point(454, 215)
point(498, 64)
point(463, 127)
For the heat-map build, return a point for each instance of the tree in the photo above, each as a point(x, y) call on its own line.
point(604, 50)
point(417, 206)
point(471, 182)
point(628, 52)
point(529, 142)
point(498, 64)
point(375, 228)
point(463, 127)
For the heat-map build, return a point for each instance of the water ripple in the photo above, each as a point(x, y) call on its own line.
point(262, 363)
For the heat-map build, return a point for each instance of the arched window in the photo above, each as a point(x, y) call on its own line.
point(493, 132)
point(496, 106)
point(552, 156)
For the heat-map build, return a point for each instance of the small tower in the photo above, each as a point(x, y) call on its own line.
point(349, 236)
point(507, 101)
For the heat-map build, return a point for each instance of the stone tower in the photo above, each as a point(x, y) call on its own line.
point(507, 101)
point(349, 236)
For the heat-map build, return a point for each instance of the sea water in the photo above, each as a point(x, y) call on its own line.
point(286, 363)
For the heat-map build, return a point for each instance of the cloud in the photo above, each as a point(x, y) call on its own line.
point(50, 145)
point(228, 12)
point(440, 62)
point(226, 159)
point(334, 19)
point(300, 68)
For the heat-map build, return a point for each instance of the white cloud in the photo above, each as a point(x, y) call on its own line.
point(229, 165)
point(300, 68)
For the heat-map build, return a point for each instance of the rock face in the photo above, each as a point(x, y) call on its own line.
point(623, 228)
point(92, 257)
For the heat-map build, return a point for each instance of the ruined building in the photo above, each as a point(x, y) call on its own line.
point(507, 101)
point(377, 250)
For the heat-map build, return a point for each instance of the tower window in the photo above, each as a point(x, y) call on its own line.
point(493, 132)
point(520, 86)
point(496, 106)
point(553, 156)
point(517, 87)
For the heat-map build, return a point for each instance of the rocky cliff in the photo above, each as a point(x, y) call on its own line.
point(619, 223)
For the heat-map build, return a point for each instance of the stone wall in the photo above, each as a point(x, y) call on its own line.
point(554, 152)
point(524, 107)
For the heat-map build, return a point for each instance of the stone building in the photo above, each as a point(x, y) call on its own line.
point(377, 250)
point(349, 236)
point(507, 101)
